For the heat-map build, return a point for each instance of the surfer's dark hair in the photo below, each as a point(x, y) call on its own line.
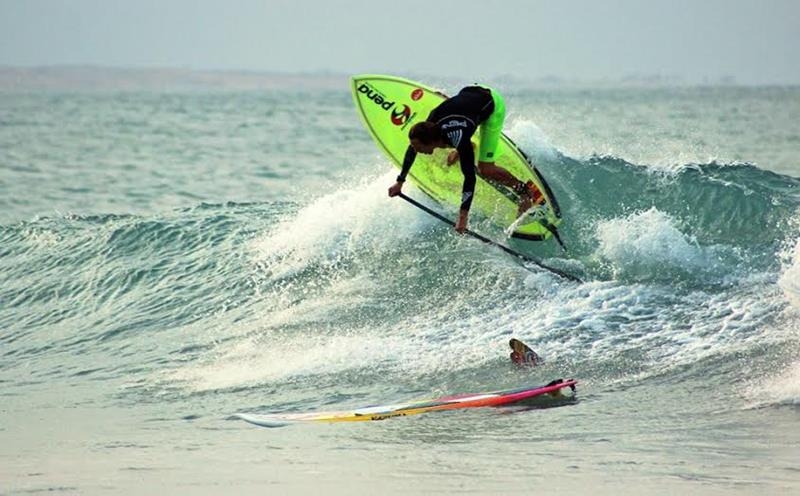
point(426, 132)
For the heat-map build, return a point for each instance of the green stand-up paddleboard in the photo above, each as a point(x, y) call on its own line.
point(389, 106)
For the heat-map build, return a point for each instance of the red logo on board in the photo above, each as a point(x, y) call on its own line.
point(417, 94)
point(399, 117)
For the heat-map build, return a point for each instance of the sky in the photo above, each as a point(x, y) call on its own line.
point(694, 41)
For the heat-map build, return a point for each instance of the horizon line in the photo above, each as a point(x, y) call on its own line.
point(183, 76)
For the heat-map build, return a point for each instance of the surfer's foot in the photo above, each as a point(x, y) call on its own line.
point(529, 195)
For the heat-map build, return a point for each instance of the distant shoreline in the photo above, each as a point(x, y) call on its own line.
point(101, 78)
point(131, 79)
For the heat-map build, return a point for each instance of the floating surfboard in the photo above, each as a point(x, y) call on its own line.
point(390, 105)
point(382, 412)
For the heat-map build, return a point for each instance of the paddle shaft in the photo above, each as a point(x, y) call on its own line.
point(489, 241)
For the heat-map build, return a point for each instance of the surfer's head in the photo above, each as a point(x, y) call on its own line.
point(424, 137)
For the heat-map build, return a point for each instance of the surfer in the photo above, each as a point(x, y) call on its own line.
point(451, 125)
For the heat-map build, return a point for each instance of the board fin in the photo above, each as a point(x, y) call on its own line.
point(522, 354)
point(538, 212)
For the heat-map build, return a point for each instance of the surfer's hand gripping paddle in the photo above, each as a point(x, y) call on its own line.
point(488, 241)
point(395, 189)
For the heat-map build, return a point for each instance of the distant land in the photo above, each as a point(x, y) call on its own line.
point(87, 78)
point(70, 77)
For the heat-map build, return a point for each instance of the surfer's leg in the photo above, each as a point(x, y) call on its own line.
point(489, 170)
point(490, 132)
point(528, 193)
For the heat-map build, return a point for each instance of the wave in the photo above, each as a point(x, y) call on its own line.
point(790, 279)
point(683, 267)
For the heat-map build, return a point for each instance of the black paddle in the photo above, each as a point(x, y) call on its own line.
point(490, 242)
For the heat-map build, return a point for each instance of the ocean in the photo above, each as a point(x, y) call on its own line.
point(169, 258)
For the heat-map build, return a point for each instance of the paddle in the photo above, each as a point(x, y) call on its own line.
point(489, 241)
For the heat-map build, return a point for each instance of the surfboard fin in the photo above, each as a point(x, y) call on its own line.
point(537, 211)
point(522, 354)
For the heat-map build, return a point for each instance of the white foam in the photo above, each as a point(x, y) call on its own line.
point(532, 139)
point(789, 281)
point(336, 224)
point(780, 389)
point(647, 240)
point(255, 361)
point(419, 345)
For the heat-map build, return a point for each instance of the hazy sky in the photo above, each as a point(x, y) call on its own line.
point(697, 40)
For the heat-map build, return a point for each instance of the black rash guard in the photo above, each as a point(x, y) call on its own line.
point(457, 119)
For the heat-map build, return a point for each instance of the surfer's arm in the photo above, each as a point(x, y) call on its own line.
point(458, 131)
point(467, 157)
point(408, 161)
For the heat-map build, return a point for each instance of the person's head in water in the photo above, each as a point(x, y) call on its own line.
point(424, 137)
